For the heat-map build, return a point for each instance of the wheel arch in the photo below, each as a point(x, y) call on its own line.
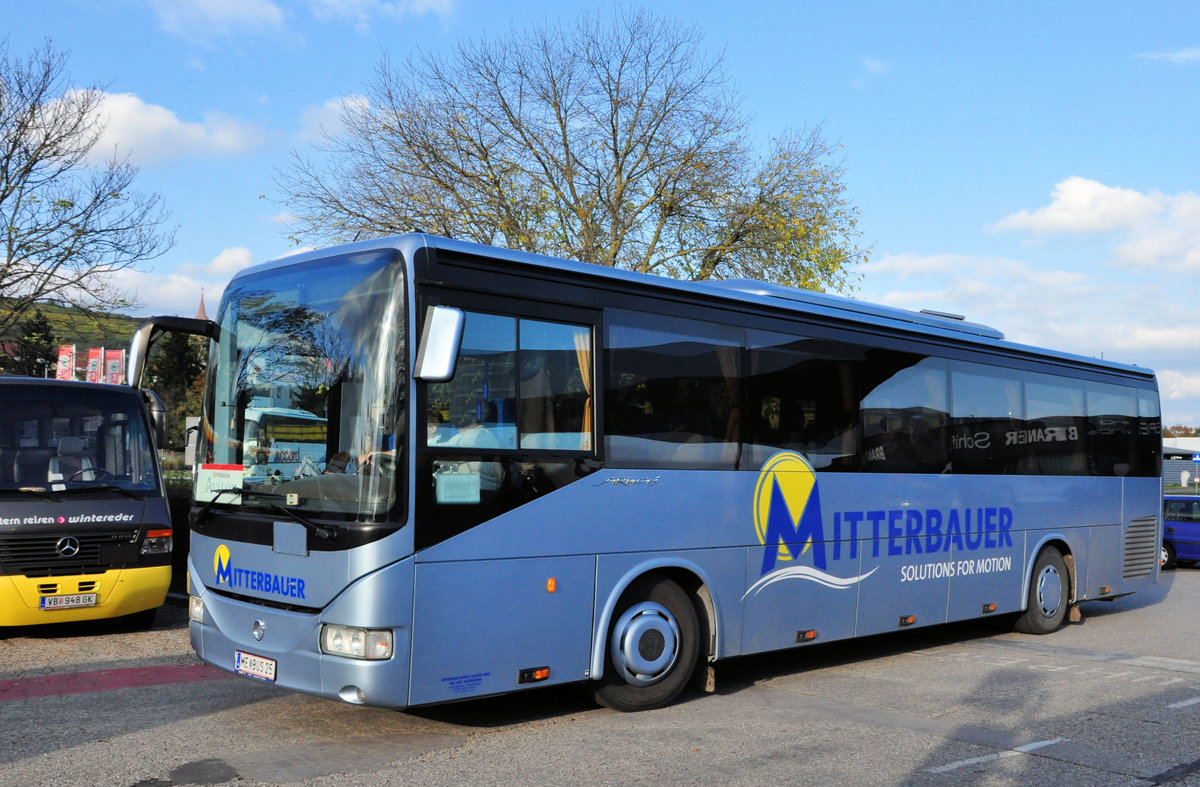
point(694, 581)
point(1059, 542)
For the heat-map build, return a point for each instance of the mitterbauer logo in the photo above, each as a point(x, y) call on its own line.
point(221, 567)
point(787, 518)
point(231, 576)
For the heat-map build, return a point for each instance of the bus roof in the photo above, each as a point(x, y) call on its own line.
point(53, 382)
point(773, 296)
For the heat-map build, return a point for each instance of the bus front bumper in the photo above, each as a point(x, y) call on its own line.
point(283, 647)
point(34, 601)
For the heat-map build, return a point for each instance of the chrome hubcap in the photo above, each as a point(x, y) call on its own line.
point(645, 643)
point(1049, 591)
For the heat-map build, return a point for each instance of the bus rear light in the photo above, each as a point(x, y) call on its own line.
point(157, 542)
point(908, 620)
point(989, 608)
point(355, 643)
point(808, 635)
point(1104, 591)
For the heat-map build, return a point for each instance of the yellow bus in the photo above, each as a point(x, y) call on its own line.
point(85, 530)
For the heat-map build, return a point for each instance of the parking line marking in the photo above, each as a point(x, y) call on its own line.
point(106, 680)
point(1184, 703)
point(998, 755)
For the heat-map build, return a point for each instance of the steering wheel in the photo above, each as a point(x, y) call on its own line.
point(98, 474)
point(378, 464)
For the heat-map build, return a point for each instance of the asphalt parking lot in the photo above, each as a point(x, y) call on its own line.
point(1114, 700)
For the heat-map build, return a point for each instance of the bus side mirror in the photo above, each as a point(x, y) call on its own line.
point(158, 416)
point(440, 339)
point(149, 332)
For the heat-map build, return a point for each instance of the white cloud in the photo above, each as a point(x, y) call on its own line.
point(201, 20)
point(1174, 385)
point(149, 133)
point(905, 266)
point(223, 266)
point(362, 12)
point(325, 121)
point(174, 293)
point(875, 65)
point(1177, 57)
point(872, 68)
point(1168, 242)
point(178, 292)
point(1079, 205)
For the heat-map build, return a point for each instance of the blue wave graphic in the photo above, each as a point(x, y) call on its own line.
point(807, 573)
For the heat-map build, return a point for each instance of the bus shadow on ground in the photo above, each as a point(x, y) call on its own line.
point(739, 673)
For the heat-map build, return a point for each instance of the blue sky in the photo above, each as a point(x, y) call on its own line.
point(1032, 166)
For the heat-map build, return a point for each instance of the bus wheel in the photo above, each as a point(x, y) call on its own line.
point(1167, 556)
point(1048, 594)
point(652, 647)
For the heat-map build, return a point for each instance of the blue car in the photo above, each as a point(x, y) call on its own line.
point(1181, 531)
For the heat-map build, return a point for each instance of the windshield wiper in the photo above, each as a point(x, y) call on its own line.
point(33, 491)
point(202, 514)
point(120, 490)
point(321, 531)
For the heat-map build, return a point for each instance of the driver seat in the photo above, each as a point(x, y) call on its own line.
point(71, 463)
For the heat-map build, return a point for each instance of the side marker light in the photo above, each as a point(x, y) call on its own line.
point(533, 675)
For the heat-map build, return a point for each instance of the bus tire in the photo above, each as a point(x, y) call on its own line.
point(652, 647)
point(1049, 594)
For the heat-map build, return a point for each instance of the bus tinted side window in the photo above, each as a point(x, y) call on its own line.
point(1112, 428)
point(802, 398)
point(905, 413)
point(672, 392)
point(1148, 454)
point(987, 408)
point(1055, 427)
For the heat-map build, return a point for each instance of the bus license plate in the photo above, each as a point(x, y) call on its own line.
point(254, 666)
point(70, 601)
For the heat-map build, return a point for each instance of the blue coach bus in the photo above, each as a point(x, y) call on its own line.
point(555, 472)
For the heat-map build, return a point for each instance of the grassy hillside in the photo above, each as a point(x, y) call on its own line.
point(72, 326)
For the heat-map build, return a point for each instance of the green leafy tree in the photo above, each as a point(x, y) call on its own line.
point(35, 354)
point(616, 143)
point(66, 225)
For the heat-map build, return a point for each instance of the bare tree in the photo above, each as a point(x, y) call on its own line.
point(66, 226)
point(614, 143)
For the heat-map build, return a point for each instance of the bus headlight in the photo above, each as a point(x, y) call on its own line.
point(157, 542)
point(196, 608)
point(356, 643)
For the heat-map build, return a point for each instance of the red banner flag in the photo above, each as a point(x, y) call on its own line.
point(95, 362)
point(114, 366)
point(66, 362)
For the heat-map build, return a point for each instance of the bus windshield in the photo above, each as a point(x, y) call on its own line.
point(68, 438)
point(304, 399)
